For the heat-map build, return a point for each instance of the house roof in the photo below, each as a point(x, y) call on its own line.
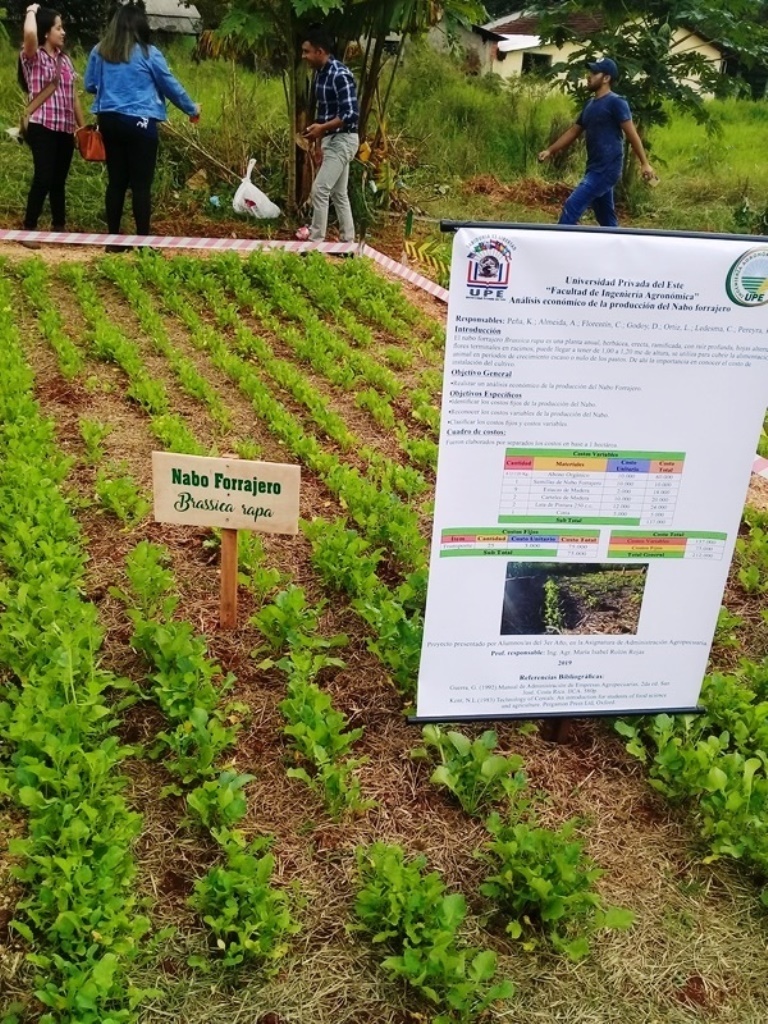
point(173, 16)
point(522, 24)
point(518, 42)
point(527, 24)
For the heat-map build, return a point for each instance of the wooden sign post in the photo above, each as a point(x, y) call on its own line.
point(228, 603)
point(231, 494)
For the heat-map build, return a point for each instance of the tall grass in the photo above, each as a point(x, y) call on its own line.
point(463, 126)
point(443, 128)
point(242, 116)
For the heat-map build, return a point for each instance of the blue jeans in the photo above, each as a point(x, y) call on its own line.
point(596, 190)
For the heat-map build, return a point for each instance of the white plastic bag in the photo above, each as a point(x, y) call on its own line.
point(249, 199)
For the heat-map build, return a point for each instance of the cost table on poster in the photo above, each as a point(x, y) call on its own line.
point(631, 488)
point(552, 542)
point(667, 544)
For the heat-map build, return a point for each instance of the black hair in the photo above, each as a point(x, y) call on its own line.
point(319, 37)
point(45, 19)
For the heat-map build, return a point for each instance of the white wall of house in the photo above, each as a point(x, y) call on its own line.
point(494, 58)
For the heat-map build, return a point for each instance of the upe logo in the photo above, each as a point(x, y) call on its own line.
point(747, 281)
point(488, 267)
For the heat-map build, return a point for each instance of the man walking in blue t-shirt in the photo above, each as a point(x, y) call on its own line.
point(605, 120)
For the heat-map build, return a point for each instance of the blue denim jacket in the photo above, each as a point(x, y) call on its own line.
point(138, 87)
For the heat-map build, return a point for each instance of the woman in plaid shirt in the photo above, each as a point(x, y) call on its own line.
point(52, 126)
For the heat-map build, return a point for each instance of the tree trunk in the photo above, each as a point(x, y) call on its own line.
point(289, 86)
point(371, 82)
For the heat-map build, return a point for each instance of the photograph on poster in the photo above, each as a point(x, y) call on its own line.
point(574, 598)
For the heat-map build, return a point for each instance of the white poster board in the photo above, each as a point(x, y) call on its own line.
point(603, 396)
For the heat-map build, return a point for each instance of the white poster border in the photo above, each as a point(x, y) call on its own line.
point(455, 226)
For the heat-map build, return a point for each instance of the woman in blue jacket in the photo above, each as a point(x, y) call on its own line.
point(131, 81)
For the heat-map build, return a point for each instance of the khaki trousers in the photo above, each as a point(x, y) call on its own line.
point(331, 185)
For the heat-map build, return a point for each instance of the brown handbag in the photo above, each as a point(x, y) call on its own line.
point(90, 143)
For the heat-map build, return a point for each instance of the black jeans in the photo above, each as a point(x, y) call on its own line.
point(131, 159)
point(51, 156)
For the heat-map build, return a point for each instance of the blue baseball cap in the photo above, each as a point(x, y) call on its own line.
point(606, 66)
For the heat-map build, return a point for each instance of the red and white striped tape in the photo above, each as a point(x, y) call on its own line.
point(228, 245)
point(176, 242)
point(759, 466)
point(406, 273)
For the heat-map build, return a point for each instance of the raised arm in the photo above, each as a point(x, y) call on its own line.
point(628, 127)
point(569, 135)
point(30, 30)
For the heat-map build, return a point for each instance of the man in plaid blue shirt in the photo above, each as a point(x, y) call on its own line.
point(335, 128)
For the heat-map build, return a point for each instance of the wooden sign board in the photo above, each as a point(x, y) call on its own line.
point(193, 490)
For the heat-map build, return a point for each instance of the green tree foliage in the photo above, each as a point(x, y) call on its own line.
point(84, 20)
point(273, 30)
point(651, 40)
point(211, 11)
point(501, 8)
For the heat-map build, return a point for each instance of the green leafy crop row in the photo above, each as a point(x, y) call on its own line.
point(347, 562)
point(717, 762)
point(317, 731)
point(63, 766)
point(720, 770)
point(382, 515)
point(407, 910)
point(248, 918)
point(118, 493)
point(540, 879)
point(35, 286)
point(111, 345)
point(186, 684)
point(471, 769)
point(325, 350)
point(313, 343)
point(125, 277)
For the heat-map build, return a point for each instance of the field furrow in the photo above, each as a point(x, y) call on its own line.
point(210, 826)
